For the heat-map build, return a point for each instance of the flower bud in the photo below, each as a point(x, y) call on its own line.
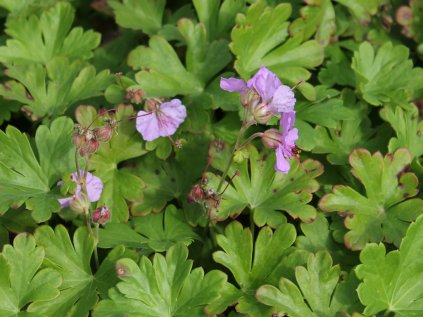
point(91, 146)
point(101, 215)
point(80, 202)
point(271, 138)
point(103, 134)
point(261, 112)
point(135, 95)
point(249, 98)
point(78, 140)
point(404, 16)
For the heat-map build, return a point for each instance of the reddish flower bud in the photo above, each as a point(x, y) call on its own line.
point(101, 215)
point(103, 134)
point(91, 146)
point(271, 138)
point(404, 15)
point(196, 194)
point(78, 140)
point(135, 95)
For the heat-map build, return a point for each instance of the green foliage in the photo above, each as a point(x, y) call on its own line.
point(252, 269)
point(384, 213)
point(24, 284)
point(157, 232)
point(51, 89)
point(319, 294)
point(393, 281)
point(166, 286)
point(386, 76)
point(24, 178)
point(40, 39)
point(145, 15)
point(264, 192)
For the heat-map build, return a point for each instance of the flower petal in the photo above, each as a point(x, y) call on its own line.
point(283, 100)
point(287, 121)
point(232, 84)
point(265, 83)
point(65, 202)
point(148, 125)
point(281, 165)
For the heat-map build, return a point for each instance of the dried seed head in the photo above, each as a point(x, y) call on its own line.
point(90, 147)
point(196, 194)
point(101, 215)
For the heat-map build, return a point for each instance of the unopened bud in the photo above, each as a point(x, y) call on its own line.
point(271, 138)
point(80, 202)
point(404, 15)
point(90, 147)
point(135, 95)
point(249, 99)
point(78, 140)
point(101, 215)
point(261, 112)
point(103, 134)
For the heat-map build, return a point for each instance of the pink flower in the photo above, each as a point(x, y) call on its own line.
point(286, 147)
point(94, 188)
point(162, 121)
point(276, 97)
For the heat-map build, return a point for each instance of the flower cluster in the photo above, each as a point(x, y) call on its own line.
point(265, 96)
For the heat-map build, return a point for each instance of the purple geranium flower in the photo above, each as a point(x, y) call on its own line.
point(277, 97)
point(286, 148)
point(94, 188)
point(162, 121)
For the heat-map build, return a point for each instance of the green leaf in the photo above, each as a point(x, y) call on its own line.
point(319, 292)
point(173, 77)
point(348, 134)
point(257, 40)
point(145, 15)
point(155, 231)
point(55, 149)
point(78, 293)
point(253, 269)
point(362, 10)
point(166, 286)
point(171, 179)
point(408, 128)
point(51, 90)
point(120, 184)
point(23, 283)
point(218, 19)
point(264, 191)
point(385, 211)
point(318, 18)
point(204, 59)
point(317, 237)
point(21, 176)
point(393, 281)
point(386, 76)
point(40, 39)
point(26, 7)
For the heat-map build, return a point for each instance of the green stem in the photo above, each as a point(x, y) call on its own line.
point(78, 173)
point(244, 127)
point(386, 313)
point(250, 138)
point(97, 263)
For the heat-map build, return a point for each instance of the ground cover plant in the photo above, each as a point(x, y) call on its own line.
point(211, 158)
